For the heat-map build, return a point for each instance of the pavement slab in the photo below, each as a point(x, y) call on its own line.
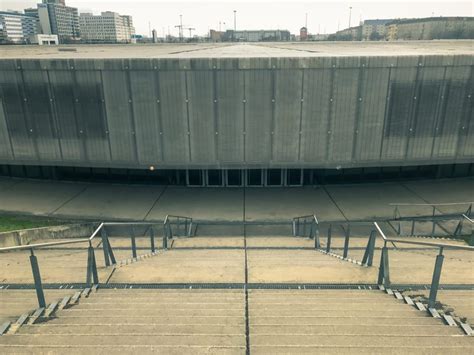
point(131, 202)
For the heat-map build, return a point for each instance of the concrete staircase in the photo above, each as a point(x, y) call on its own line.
point(346, 321)
point(215, 321)
point(140, 321)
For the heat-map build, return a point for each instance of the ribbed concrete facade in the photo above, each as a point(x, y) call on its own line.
point(222, 112)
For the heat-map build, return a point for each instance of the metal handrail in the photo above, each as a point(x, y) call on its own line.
point(314, 227)
point(92, 274)
point(430, 204)
point(469, 219)
point(384, 274)
point(439, 245)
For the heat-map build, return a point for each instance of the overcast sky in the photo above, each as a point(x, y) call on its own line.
point(323, 16)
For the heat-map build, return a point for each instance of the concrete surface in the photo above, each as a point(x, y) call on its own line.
point(38, 197)
point(131, 321)
point(358, 201)
point(459, 302)
point(243, 50)
point(137, 202)
point(285, 203)
point(113, 202)
point(14, 303)
point(200, 203)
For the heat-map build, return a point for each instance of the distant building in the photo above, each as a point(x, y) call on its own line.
point(42, 39)
point(57, 18)
point(303, 34)
point(108, 27)
point(257, 35)
point(17, 27)
point(431, 28)
point(348, 34)
point(216, 36)
point(373, 30)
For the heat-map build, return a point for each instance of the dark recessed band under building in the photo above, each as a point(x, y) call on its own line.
point(293, 106)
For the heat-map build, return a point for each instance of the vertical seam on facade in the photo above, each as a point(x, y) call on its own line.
point(388, 103)
point(156, 81)
point(84, 152)
point(104, 112)
point(300, 130)
point(54, 115)
point(128, 80)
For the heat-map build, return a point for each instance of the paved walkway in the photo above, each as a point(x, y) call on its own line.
point(145, 202)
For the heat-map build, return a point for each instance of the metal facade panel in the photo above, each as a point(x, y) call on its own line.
point(373, 103)
point(91, 116)
point(5, 147)
point(174, 116)
point(316, 109)
point(13, 106)
point(288, 94)
point(343, 116)
point(146, 113)
point(452, 115)
point(118, 105)
point(39, 107)
point(400, 101)
point(62, 89)
point(426, 112)
point(200, 86)
point(230, 115)
point(258, 115)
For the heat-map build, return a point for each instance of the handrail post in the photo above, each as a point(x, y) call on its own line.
point(91, 266)
point(152, 239)
point(346, 241)
point(369, 250)
point(436, 277)
point(328, 243)
point(384, 271)
point(434, 223)
point(37, 279)
point(105, 247)
point(134, 244)
point(317, 243)
point(412, 227)
point(165, 236)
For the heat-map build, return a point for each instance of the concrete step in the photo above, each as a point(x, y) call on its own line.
point(152, 312)
point(155, 329)
point(124, 349)
point(371, 350)
point(158, 306)
point(334, 311)
point(362, 340)
point(124, 339)
point(355, 329)
point(284, 307)
point(360, 319)
point(160, 320)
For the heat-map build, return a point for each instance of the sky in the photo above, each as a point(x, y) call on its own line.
point(322, 16)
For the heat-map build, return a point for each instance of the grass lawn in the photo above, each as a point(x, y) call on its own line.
point(10, 223)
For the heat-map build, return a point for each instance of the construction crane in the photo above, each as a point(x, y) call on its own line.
point(190, 29)
point(180, 26)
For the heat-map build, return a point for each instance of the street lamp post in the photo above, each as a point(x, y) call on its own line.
point(350, 13)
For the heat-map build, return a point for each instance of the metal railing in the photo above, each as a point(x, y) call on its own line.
point(176, 226)
point(435, 218)
point(307, 226)
point(367, 259)
point(92, 276)
point(384, 269)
